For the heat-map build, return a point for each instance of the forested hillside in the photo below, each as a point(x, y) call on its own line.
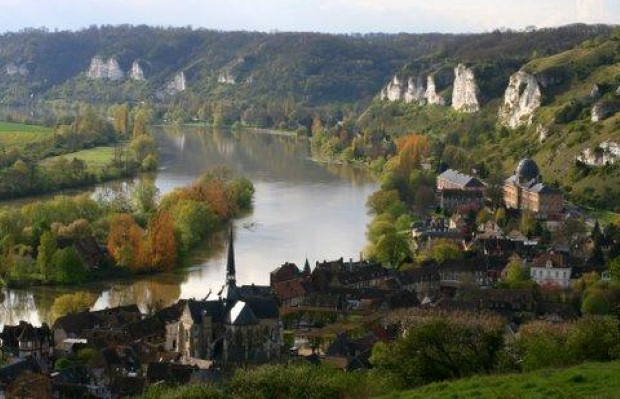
point(259, 78)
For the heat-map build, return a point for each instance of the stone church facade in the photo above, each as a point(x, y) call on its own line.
point(239, 327)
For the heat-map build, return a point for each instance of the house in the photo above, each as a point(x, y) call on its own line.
point(292, 292)
point(338, 273)
point(551, 268)
point(170, 317)
point(426, 234)
point(479, 272)
point(80, 324)
point(423, 281)
point(350, 354)
point(525, 191)
point(151, 330)
point(286, 272)
point(24, 340)
point(455, 190)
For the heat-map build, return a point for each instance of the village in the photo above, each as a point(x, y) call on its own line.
point(334, 311)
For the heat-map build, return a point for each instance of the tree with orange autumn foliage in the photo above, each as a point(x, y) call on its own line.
point(161, 243)
point(413, 149)
point(125, 242)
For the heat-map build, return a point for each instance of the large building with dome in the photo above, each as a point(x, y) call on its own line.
point(525, 191)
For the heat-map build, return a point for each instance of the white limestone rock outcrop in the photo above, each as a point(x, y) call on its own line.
point(226, 77)
point(521, 99)
point(603, 110)
point(100, 69)
point(394, 90)
point(607, 153)
point(411, 90)
point(465, 90)
point(176, 84)
point(16, 69)
point(415, 91)
point(136, 72)
point(431, 92)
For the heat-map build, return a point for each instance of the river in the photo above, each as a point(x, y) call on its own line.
point(301, 209)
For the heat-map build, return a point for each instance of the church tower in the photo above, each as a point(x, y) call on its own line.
point(231, 273)
point(230, 292)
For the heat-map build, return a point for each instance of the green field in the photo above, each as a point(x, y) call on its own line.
point(94, 157)
point(17, 135)
point(591, 380)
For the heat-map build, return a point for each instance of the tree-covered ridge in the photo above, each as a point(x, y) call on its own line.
point(312, 68)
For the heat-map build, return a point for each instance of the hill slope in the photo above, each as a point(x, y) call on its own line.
point(563, 107)
point(592, 380)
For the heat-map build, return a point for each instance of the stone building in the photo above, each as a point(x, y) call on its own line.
point(525, 191)
point(455, 189)
point(233, 329)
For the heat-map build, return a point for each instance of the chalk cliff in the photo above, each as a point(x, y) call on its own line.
point(465, 90)
point(521, 99)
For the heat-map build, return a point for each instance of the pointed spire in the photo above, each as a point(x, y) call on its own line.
point(307, 270)
point(231, 274)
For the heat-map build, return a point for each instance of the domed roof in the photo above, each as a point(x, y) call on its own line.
point(527, 170)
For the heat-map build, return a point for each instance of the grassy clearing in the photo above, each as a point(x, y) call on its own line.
point(94, 157)
point(14, 135)
point(591, 380)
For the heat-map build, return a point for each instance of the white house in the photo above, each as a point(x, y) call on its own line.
point(551, 269)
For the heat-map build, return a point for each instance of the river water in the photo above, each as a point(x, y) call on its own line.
point(301, 209)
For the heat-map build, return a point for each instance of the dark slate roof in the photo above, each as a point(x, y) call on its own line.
point(252, 290)
point(418, 275)
point(355, 275)
point(76, 323)
point(215, 309)
point(543, 189)
point(241, 315)
point(527, 170)
point(264, 308)
point(461, 179)
point(145, 328)
point(172, 313)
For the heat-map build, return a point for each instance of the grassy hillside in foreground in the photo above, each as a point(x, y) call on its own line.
point(590, 380)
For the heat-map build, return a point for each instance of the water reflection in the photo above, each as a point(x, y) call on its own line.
point(302, 208)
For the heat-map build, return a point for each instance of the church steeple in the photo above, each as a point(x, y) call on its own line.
point(307, 270)
point(231, 274)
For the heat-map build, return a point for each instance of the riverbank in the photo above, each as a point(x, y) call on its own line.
point(71, 241)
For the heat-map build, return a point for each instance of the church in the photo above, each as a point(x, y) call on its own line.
point(525, 191)
point(242, 326)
